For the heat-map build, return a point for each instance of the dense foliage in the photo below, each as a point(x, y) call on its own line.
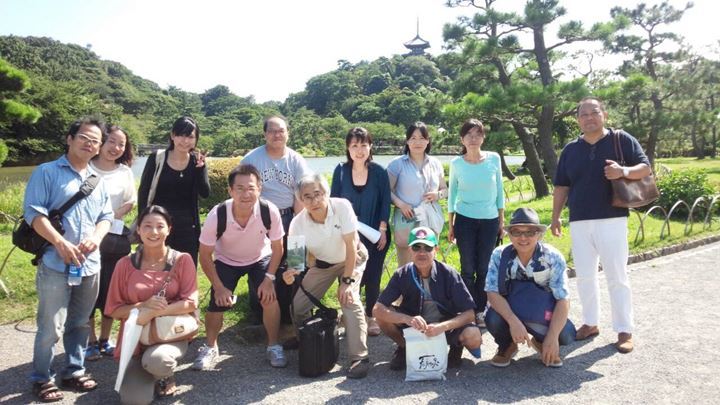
point(663, 92)
point(686, 185)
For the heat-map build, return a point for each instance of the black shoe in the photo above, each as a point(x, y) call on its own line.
point(455, 356)
point(398, 360)
point(291, 344)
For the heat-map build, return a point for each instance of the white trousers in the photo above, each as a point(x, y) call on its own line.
point(606, 240)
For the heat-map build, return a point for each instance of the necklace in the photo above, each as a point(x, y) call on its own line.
point(154, 265)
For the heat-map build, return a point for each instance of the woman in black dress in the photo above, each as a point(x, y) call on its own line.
point(174, 178)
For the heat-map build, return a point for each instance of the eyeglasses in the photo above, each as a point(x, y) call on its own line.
point(309, 198)
point(527, 234)
point(87, 139)
point(423, 247)
point(474, 135)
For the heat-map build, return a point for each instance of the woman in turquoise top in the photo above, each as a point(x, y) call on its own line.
point(476, 205)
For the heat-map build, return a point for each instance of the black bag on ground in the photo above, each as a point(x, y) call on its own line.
point(319, 340)
point(25, 237)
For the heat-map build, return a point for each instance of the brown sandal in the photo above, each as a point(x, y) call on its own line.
point(165, 387)
point(83, 383)
point(47, 392)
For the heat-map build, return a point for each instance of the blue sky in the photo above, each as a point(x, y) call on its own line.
point(267, 48)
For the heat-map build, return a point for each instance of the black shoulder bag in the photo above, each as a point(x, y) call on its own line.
point(25, 237)
point(319, 340)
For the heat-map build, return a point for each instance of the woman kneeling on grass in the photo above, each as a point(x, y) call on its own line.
point(158, 281)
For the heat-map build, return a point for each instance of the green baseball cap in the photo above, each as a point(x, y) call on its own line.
point(424, 235)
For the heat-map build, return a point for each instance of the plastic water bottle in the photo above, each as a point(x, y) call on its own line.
point(74, 274)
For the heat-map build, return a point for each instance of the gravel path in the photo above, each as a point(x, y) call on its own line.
point(675, 360)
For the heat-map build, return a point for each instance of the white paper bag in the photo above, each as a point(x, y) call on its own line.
point(430, 214)
point(130, 338)
point(372, 234)
point(426, 357)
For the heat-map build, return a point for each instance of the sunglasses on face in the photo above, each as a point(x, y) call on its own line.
point(425, 248)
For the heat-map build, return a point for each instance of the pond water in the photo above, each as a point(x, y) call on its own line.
point(324, 165)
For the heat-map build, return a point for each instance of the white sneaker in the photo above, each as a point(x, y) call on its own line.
point(205, 358)
point(277, 356)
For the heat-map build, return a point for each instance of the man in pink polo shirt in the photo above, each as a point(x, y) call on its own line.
point(246, 246)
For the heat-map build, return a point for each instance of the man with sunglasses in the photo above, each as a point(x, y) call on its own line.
point(434, 300)
point(526, 286)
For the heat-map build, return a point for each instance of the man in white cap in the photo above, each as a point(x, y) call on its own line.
point(434, 300)
point(526, 286)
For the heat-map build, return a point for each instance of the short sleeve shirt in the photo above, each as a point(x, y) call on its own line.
point(411, 182)
point(279, 176)
point(120, 184)
point(129, 286)
point(242, 246)
point(325, 241)
point(554, 278)
point(581, 168)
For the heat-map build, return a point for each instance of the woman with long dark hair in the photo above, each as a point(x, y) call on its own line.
point(113, 165)
point(365, 184)
point(175, 178)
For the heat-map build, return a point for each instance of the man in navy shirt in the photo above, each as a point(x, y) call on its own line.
point(434, 300)
point(597, 229)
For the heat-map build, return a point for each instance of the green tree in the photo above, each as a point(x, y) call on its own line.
point(13, 82)
point(520, 87)
point(650, 57)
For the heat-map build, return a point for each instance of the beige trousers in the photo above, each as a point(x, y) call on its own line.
point(317, 281)
point(159, 361)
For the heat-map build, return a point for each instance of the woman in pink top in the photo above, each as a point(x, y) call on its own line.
point(135, 284)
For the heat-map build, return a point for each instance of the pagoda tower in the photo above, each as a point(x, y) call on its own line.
point(417, 45)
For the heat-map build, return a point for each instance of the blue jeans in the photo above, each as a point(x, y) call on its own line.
point(475, 241)
point(61, 305)
point(500, 330)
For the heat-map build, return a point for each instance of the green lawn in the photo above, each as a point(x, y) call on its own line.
point(19, 274)
point(710, 166)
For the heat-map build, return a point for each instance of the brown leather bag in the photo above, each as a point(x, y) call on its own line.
point(630, 193)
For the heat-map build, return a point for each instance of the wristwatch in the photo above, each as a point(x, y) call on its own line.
point(347, 280)
point(626, 171)
point(270, 276)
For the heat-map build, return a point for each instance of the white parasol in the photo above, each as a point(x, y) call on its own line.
point(130, 339)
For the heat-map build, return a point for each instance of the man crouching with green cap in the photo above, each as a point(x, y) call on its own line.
point(434, 300)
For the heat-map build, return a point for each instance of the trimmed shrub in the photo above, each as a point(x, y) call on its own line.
point(3, 151)
point(218, 170)
point(686, 185)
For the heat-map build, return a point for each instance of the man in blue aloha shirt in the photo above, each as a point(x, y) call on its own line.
point(527, 289)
